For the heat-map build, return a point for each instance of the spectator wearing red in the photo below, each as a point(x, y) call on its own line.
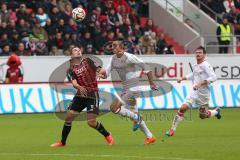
point(118, 3)
point(59, 40)
point(14, 73)
point(237, 5)
point(12, 15)
point(228, 4)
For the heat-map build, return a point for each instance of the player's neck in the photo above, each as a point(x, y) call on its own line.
point(120, 54)
point(200, 61)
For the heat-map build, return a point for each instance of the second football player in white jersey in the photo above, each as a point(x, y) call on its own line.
point(126, 65)
point(202, 76)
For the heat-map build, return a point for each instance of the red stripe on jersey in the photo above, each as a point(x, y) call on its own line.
point(86, 75)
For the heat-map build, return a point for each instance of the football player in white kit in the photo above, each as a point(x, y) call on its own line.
point(126, 66)
point(202, 76)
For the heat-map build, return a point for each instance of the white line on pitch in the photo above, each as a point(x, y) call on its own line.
point(93, 155)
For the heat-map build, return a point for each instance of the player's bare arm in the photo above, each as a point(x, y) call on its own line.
point(81, 90)
point(101, 74)
point(181, 79)
point(150, 79)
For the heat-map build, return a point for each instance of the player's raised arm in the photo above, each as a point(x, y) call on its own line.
point(104, 73)
point(73, 79)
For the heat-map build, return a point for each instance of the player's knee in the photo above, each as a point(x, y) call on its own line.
point(113, 108)
point(92, 123)
point(183, 108)
point(67, 123)
point(69, 119)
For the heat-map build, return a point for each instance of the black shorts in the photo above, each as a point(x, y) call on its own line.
point(80, 103)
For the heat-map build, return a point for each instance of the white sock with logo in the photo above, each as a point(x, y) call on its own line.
point(212, 113)
point(176, 121)
point(127, 113)
point(145, 130)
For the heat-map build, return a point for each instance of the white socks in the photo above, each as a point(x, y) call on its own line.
point(212, 113)
point(127, 113)
point(145, 130)
point(176, 121)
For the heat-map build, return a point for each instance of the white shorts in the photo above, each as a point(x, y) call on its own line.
point(129, 98)
point(196, 99)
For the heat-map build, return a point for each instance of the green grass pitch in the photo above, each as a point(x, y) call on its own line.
point(28, 137)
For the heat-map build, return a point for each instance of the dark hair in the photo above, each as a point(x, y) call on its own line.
point(202, 48)
point(73, 48)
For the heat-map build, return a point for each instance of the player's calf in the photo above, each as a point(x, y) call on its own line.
point(118, 108)
point(115, 106)
point(108, 136)
point(177, 119)
point(92, 123)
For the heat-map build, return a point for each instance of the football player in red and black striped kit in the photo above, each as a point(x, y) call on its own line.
point(83, 76)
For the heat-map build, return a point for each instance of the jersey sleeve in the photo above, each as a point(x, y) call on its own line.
point(109, 67)
point(189, 76)
point(70, 75)
point(134, 59)
point(210, 72)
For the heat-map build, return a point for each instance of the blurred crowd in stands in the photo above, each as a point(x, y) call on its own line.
point(45, 27)
point(229, 9)
point(228, 14)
